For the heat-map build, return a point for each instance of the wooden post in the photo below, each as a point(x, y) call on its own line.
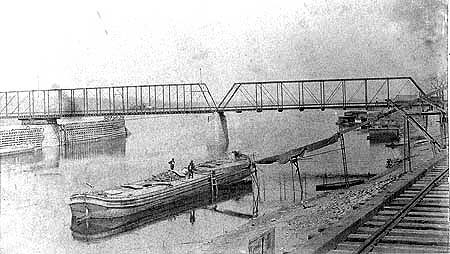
point(404, 144)
point(409, 146)
point(293, 182)
point(255, 184)
point(344, 160)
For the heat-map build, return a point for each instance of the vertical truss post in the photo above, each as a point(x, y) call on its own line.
point(100, 101)
point(170, 106)
point(177, 97)
point(109, 99)
point(32, 102)
point(344, 159)
point(86, 98)
point(18, 104)
point(322, 95)
point(96, 100)
point(261, 95)
point(256, 97)
point(29, 102)
point(149, 96)
point(344, 95)
point(163, 88)
point(135, 99)
point(44, 100)
point(127, 97)
point(6, 104)
point(190, 90)
point(114, 100)
point(48, 102)
point(184, 98)
point(365, 93)
point(140, 88)
point(154, 96)
point(123, 100)
point(303, 97)
point(72, 106)
point(59, 102)
point(278, 98)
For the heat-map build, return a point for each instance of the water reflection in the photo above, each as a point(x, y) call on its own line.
point(76, 151)
point(49, 157)
point(94, 229)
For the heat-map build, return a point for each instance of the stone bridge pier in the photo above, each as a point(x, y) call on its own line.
point(50, 129)
point(218, 141)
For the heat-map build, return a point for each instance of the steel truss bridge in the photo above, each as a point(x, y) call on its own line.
point(195, 98)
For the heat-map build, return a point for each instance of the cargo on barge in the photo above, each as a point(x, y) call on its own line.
point(159, 190)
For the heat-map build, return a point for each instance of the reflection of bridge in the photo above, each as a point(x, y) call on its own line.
point(196, 98)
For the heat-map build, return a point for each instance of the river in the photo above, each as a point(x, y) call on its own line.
point(35, 216)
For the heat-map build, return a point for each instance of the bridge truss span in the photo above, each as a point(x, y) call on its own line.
point(319, 94)
point(103, 101)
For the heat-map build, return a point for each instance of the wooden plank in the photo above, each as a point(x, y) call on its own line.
point(414, 240)
point(347, 246)
point(432, 203)
point(341, 252)
point(402, 231)
point(409, 219)
point(410, 225)
point(402, 248)
point(357, 237)
point(428, 214)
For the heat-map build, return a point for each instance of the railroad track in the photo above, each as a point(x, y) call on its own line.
point(415, 221)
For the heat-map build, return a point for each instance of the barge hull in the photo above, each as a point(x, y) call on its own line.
point(84, 206)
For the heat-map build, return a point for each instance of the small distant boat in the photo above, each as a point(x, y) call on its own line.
point(384, 134)
point(159, 190)
point(338, 185)
point(393, 145)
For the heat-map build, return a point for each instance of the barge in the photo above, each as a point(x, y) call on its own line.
point(93, 229)
point(163, 189)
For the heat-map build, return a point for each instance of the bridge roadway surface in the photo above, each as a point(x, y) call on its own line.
point(195, 98)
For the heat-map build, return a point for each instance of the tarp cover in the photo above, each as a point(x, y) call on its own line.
point(285, 157)
point(297, 152)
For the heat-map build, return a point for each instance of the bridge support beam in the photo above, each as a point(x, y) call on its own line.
point(219, 140)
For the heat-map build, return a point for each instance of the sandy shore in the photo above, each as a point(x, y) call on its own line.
point(294, 225)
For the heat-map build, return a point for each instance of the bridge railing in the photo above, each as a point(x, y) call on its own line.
point(96, 101)
point(319, 94)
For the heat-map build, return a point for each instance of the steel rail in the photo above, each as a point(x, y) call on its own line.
point(370, 243)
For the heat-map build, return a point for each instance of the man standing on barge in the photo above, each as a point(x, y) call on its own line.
point(191, 168)
point(172, 164)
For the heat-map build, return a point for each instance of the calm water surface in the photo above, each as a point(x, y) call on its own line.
point(35, 216)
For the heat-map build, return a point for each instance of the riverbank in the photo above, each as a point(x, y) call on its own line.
point(296, 224)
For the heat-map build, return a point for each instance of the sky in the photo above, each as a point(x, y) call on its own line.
point(48, 44)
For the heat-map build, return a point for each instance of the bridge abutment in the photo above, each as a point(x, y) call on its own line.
point(49, 127)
